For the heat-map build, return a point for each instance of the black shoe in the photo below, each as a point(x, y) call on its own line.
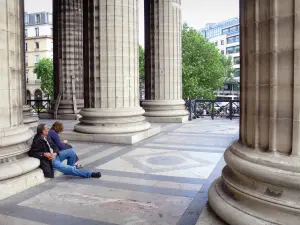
point(96, 175)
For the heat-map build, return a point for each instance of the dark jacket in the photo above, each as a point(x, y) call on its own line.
point(38, 148)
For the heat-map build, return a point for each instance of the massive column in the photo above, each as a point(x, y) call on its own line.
point(68, 57)
point(111, 54)
point(18, 171)
point(163, 66)
point(261, 182)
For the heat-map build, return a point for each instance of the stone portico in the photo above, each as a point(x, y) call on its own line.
point(259, 185)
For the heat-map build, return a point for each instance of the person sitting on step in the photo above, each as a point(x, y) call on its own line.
point(57, 128)
point(51, 158)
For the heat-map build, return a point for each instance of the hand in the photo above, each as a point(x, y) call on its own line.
point(48, 155)
point(53, 156)
point(65, 141)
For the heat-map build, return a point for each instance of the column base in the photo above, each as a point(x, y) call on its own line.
point(48, 116)
point(257, 188)
point(165, 111)
point(21, 183)
point(209, 217)
point(112, 121)
point(179, 119)
point(126, 138)
point(28, 118)
point(65, 110)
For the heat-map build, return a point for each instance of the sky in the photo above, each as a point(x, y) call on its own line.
point(195, 12)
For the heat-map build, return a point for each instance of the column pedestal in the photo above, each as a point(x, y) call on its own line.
point(165, 111)
point(119, 126)
point(28, 118)
point(257, 188)
point(18, 171)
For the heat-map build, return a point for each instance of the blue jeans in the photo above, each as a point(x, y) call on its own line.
point(69, 169)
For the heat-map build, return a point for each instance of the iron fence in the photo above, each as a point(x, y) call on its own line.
point(214, 108)
point(39, 106)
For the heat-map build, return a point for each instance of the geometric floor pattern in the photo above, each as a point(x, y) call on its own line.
point(163, 180)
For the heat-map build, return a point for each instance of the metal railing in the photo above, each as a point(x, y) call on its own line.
point(39, 106)
point(214, 108)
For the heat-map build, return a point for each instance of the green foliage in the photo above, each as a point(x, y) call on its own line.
point(44, 71)
point(203, 66)
point(142, 62)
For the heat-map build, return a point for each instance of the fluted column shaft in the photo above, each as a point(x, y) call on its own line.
point(68, 54)
point(14, 161)
point(260, 184)
point(111, 68)
point(163, 64)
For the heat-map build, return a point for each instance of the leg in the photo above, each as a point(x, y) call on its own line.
point(68, 154)
point(70, 170)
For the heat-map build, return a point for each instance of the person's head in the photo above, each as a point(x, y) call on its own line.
point(42, 129)
point(58, 127)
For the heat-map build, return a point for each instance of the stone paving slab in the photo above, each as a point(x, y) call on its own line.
point(163, 180)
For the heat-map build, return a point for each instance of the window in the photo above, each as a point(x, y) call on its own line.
point(233, 49)
point(38, 18)
point(222, 52)
point(26, 60)
point(233, 39)
point(26, 19)
point(37, 31)
point(231, 29)
point(236, 60)
point(222, 42)
point(26, 33)
point(37, 45)
point(26, 47)
point(37, 58)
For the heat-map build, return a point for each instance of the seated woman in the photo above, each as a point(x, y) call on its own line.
point(57, 128)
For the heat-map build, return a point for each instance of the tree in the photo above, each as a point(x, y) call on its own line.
point(227, 62)
point(142, 62)
point(203, 66)
point(44, 71)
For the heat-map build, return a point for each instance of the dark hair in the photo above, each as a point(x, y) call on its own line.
point(40, 128)
point(58, 127)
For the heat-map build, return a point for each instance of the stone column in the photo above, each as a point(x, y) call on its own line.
point(28, 117)
point(163, 64)
point(261, 182)
point(112, 76)
point(68, 57)
point(18, 171)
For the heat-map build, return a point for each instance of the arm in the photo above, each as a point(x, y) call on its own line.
point(36, 150)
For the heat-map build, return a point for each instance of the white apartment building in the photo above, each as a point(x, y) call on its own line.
point(226, 36)
point(38, 45)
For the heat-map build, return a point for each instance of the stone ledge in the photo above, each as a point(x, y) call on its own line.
point(209, 217)
point(129, 138)
point(21, 183)
point(179, 119)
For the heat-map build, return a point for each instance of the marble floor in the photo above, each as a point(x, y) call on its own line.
point(163, 180)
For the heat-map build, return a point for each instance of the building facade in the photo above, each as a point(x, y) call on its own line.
point(38, 45)
point(226, 36)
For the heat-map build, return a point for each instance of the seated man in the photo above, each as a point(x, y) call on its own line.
point(50, 157)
